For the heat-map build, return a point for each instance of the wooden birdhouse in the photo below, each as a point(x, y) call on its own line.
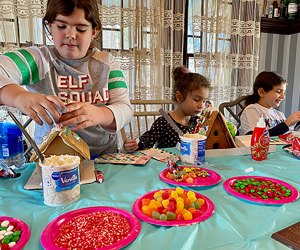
point(218, 135)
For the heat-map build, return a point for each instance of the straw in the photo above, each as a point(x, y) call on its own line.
point(32, 142)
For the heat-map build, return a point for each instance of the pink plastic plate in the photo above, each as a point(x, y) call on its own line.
point(211, 180)
point(51, 232)
point(25, 231)
point(294, 192)
point(207, 211)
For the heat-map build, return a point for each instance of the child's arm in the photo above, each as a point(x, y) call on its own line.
point(31, 104)
point(293, 118)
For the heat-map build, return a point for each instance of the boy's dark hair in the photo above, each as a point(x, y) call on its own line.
point(186, 81)
point(66, 7)
point(265, 80)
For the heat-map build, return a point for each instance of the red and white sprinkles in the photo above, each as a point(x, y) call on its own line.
point(93, 231)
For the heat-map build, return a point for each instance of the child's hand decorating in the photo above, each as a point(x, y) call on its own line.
point(293, 118)
point(37, 105)
point(130, 145)
point(81, 115)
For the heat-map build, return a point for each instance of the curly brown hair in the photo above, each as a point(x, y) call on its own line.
point(186, 81)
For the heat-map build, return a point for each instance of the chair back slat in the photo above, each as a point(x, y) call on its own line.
point(235, 109)
point(145, 112)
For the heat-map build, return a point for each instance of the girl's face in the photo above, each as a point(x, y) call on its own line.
point(194, 102)
point(72, 35)
point(272, 98)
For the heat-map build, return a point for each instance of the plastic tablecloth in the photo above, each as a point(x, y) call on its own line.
point(235, 224)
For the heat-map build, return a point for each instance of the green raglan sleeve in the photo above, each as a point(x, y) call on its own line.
point(23, 67)
point(119, 102)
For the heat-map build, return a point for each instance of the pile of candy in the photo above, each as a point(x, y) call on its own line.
point(93, 231)
point(261, 189)
point(187, 174)
point(9, 234)
point(173, 204)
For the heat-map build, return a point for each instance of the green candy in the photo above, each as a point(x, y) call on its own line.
point(197, 204)
point(192, 205)
point(171, 216)
point(9, 237)
point(17, 233)
point(15, 239)
point(155, 215)
point(163, 217)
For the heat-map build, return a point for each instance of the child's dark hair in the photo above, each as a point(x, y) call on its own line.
point(265, 80)
point(66, 7)
point(186, 81)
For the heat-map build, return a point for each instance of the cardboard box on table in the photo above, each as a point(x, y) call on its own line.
point(61, 141)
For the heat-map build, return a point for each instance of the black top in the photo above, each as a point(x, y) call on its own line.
point(279, 129)
point(163, 135)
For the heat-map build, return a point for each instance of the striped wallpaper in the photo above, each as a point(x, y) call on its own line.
point(281, 53)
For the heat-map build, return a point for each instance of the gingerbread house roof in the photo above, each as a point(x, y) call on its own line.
point(61, 140)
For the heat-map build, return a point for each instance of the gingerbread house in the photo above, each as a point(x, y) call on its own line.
point(218, 135)
point(61, 140)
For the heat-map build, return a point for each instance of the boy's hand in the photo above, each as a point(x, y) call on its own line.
point(37, 105)
point(81, 115)
point(130, 145)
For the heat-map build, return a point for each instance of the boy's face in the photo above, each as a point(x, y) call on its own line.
point(272, 98)
point(72, 35)
point(194, 102)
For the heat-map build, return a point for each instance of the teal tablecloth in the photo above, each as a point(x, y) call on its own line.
point(236, 224)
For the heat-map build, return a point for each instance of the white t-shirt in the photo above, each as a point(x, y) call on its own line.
point(252, 113)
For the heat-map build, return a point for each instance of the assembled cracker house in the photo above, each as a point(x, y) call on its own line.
point(59, 141)
point(218, 135)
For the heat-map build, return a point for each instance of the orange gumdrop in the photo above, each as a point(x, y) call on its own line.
point(187, 202)
point(178, 211)
point(183, 196)
point(201, 201)
point(145, 202)
point(192, 209)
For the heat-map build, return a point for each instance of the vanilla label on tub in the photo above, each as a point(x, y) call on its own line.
point(65, 179)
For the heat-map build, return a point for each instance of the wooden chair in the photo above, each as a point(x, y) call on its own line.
point(145, 112)
point(235, 109)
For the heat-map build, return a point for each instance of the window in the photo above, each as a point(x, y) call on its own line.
point(206, 36)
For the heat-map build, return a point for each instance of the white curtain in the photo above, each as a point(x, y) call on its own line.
point(151, 42)
point(226, 35)
point(147, 39)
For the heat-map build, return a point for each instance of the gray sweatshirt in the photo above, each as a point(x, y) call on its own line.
point(96, 79)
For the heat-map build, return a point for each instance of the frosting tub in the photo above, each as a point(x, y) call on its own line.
point(61, 179)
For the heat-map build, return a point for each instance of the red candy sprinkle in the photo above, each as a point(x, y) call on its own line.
point(93, 231)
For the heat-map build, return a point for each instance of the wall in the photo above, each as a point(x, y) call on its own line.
point(281, 53)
